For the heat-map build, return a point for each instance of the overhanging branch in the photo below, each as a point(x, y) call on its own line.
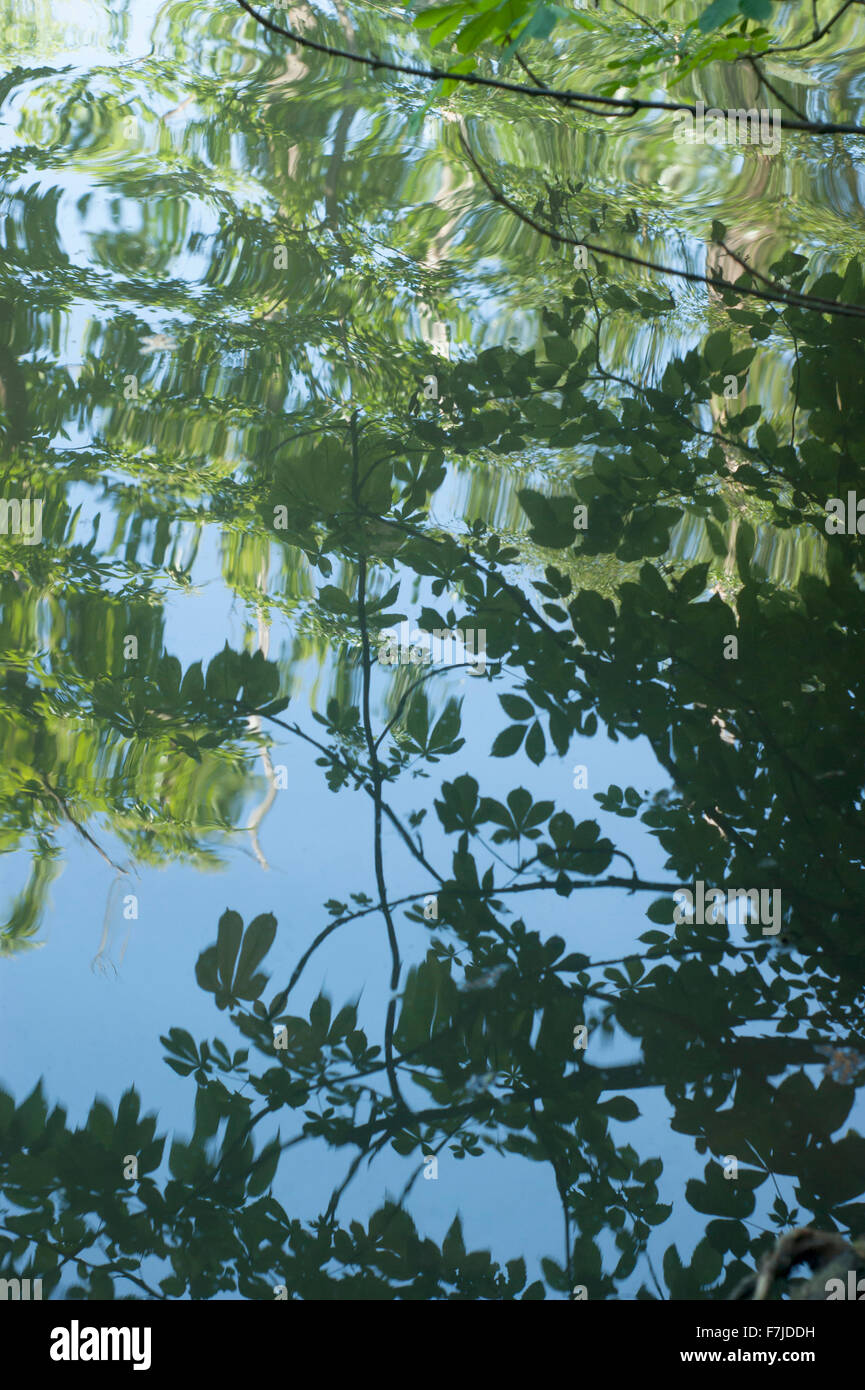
point(617, 106)
point(813, 303)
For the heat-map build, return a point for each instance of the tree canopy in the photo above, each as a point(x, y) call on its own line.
point(319, 330)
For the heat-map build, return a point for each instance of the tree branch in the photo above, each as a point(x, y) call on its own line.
point(620, 106)
point(792, 300)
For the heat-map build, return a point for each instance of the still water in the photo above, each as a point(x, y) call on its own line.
point(296, 394)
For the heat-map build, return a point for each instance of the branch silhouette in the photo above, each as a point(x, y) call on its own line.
point(811, 303)
point(618, 106)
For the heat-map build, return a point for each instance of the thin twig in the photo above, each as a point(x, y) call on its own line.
point(804, 302)
point(376, 775)
point(620, 106)
point(774, 90)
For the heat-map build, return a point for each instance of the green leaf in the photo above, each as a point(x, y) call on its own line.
point(744, 548)
point(417, 722)
point(718, 13)
point(693, 583)
point(516, 707)
point(758, 10)
point(206, 970)
point(453, 1246)
point(264, 1169)
point(182, 1068)
point(620, 1108)
point(717, 349)
point(227, 945)
point(706, 1264)
point(256, 944)
point(182, 1043)
point(552, 518)
point(535, 744)
point(661, 911)
point(30, 1118)
point(508, 741)
point(433, 16)
point(656, 1214)
point(655, 588)
point(319, 1017)
point(447, 728)
point(334, 600)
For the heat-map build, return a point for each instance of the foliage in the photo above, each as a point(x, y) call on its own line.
point(287, 433)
